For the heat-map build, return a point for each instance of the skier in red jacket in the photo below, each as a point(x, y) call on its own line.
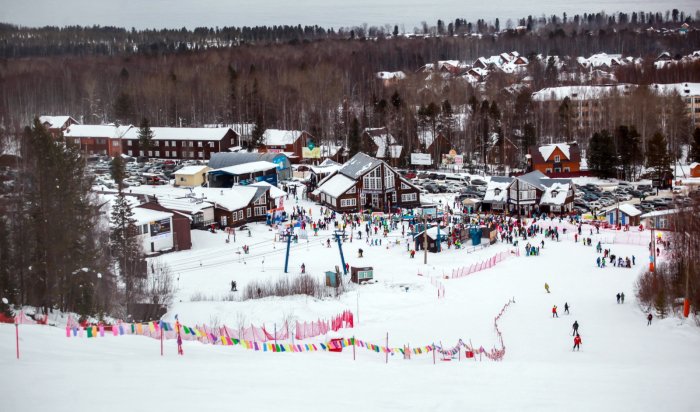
point(554, 311)
point(577, 342)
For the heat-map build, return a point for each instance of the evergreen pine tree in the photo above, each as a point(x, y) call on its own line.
point(694, 155)
point(256, 138)
point(118, 172)
point(126, 247)
point(123, 108)
point(602, 158)
point(145, 136)
point(658, 157)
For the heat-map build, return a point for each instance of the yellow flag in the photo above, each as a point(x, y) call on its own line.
point(151, 327)
point(223, 340)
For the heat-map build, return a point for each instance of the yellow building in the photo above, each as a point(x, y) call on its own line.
point(191, 176)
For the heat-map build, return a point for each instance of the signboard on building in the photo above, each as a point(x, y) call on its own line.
point(160, 227)
point(452, 158)
point(421, 159)
point(311, 153)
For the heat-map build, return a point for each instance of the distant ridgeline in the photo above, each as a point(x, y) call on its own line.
point(16, 41)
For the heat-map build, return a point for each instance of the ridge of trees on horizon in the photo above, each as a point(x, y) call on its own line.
point(20, 41)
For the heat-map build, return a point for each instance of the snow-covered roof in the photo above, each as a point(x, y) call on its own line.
point(181, 133)
point(548, 149)
point(391, 75)
point(325, 169)
point(600, 60)
point(276, 137)
point(336, 185)
point(555, 194)
point(251, 167)
point(191, 170)
point(683, 89)
point(275, 192)
point(189, 205)
point(55, 121)
point(578, 92)
point(629, 210)
point(395, 151)
point(236, 197)
point(109, 131)
point(143, 215)
point(497, 189)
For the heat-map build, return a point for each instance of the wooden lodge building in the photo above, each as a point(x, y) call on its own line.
point(364, 182)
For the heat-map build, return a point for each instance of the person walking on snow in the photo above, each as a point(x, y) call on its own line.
point(577, 343)
point(622, 297)
point(566, 307)
point(575, 326)
point(618, 298)
point(554, 312)
point(546, 287)
point(649, 317)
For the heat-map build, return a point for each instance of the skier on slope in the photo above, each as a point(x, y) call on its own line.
point(575, 327)
point(566, 307)
point(546, 287)
point(649, 318)
point(577, 342)
point(554, 312)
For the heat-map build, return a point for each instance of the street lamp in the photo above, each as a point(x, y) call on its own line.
point(652, 258)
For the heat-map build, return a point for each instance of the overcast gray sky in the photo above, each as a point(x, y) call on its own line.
point(326, 13)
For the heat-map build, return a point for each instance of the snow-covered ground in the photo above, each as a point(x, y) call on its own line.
point(623, 363)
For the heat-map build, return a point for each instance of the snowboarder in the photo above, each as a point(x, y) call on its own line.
point(554, 312)
point(622, 297)
point(649, 317)
point(577, 342)
point(575, 326)
point(566, 307)
point(618, 298)
point(546, 287)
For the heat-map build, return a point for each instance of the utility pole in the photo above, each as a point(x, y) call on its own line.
point(425, 239)
point(517, 195)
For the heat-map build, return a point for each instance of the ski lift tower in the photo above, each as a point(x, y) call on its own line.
point(339, 237)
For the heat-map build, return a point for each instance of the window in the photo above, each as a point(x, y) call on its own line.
point(404, 186)
point(130, 152)
point(259, 210)
point(157, 153)
point(167, 143)
point(224, 220)
point(128, 142)
point(388, 179)
point(557, 169)
point(352, 190)
point(200, 155)
point(150, 153)
point(260, 200)
point(199, 144)
point(173, 153)
point(373, 179)
point(166, 153)
point(248, 212)
point(567, 169)
point(172, 143)
point(140, 152)
point(557, 159)
point(115, 143)
point(144, 229)
point(409, 197)
point(211, 144)
point(191, 143)
point(548, 170)
point(363, 199)
point(182, 178)
point(348, 202)
point(393, 197)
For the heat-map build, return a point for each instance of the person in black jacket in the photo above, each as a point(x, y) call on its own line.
point(575, 326)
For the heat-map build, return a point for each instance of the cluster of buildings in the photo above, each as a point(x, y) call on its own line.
point(530, 193)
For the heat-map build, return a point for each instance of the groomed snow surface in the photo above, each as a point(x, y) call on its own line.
point(623, 363)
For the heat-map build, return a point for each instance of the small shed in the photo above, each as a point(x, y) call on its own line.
point(625, 214)
point(695, 169)
point(361, 274)
point(432, 235)
point(191, 176)
point(332, 279)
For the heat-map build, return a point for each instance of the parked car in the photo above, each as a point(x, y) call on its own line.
point(623, 197)
point(595, 205)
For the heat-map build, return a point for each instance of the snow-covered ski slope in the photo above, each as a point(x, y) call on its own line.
point(623, 363)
